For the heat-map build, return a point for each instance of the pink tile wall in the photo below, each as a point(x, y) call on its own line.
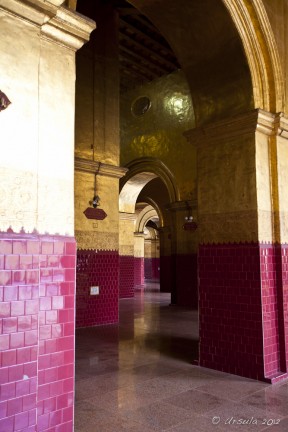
point(56, 336)
point(138, 271)
point(37, 282)
point(126, 276)
point(244, 309)
point(99, 268)
point(230, 309)
point(274, 290)
point(284, 254)
point(151, 268)
point(19, 306)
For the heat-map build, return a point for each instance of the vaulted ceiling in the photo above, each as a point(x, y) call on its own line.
point(143, 52)
point(157, 37)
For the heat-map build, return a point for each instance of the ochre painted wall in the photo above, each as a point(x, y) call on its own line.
point(159, 132)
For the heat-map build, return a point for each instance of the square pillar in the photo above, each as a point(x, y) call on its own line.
point(242, 267)
point(38, 41)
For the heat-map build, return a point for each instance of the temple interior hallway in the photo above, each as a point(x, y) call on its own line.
point(139, 377)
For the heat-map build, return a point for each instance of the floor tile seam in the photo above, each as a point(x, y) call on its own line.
point(263, 390)
point(159, 401)
point(240, 404)
point(183, 423)
point(269, 410)
point(195, 389)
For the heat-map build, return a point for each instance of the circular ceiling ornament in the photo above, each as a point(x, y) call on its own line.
point(140, 106)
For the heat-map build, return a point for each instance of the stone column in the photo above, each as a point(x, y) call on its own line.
point(165, 259)
point(126, 255)
point(152, 258)
point(97, 242)
point(184, 255)
point(38, 41)
point(138, 258)
point(242, 170)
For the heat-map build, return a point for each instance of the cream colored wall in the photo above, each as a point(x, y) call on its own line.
point(126, 234)
point(37, 129)
point(138, 245)
point(152, 248)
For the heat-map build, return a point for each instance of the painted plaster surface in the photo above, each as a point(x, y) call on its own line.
point(158, 133)
point(37, 136)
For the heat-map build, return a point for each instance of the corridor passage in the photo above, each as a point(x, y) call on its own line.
point(139, 376)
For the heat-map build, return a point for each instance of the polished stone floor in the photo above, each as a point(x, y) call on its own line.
point(139, 376)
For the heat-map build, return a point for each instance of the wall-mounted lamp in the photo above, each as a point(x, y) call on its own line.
point(96, 199)
point(189, 224)
point(188, 218)
point(95, 202)
point(4, 101)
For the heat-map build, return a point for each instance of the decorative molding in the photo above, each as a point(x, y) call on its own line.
point(127, 216)
point(179, 206)
point(257, 120)
point(58, 24)
point(36, 12)
point(228, 128)
point(68, 28)
point(283, 126)
point(92, 167)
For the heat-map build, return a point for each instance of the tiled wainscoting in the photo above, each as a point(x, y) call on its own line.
point(37, 285)
point(242, 301)
point(97, 268)
point(126, 276)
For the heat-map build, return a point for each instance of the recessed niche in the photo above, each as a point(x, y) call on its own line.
point(140, 106)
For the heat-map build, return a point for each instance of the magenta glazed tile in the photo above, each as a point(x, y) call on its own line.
point(70, 248)
point(9, 358)
point(8, 391)
point(19, 277)
point(17, 340)
point(14, 406)
point(22, 388)
point(5, 277)
point(33, 247)
point(9, 325)
point(26, 262)
point(5, 309)
point(59, 247)
point(47, 248)
point(12, 262)
point(6, 247)
point(21, 421)
point(7, 424)
point(4, 342)
point(20, 247)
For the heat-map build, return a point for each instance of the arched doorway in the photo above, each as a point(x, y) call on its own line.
point(224, 86)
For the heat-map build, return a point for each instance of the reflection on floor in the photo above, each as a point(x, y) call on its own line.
point(139, 377)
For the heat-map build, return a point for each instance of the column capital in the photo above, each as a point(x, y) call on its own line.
point(258, 120)
point(179, 206)
point(92, 167)
point(57, 23)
